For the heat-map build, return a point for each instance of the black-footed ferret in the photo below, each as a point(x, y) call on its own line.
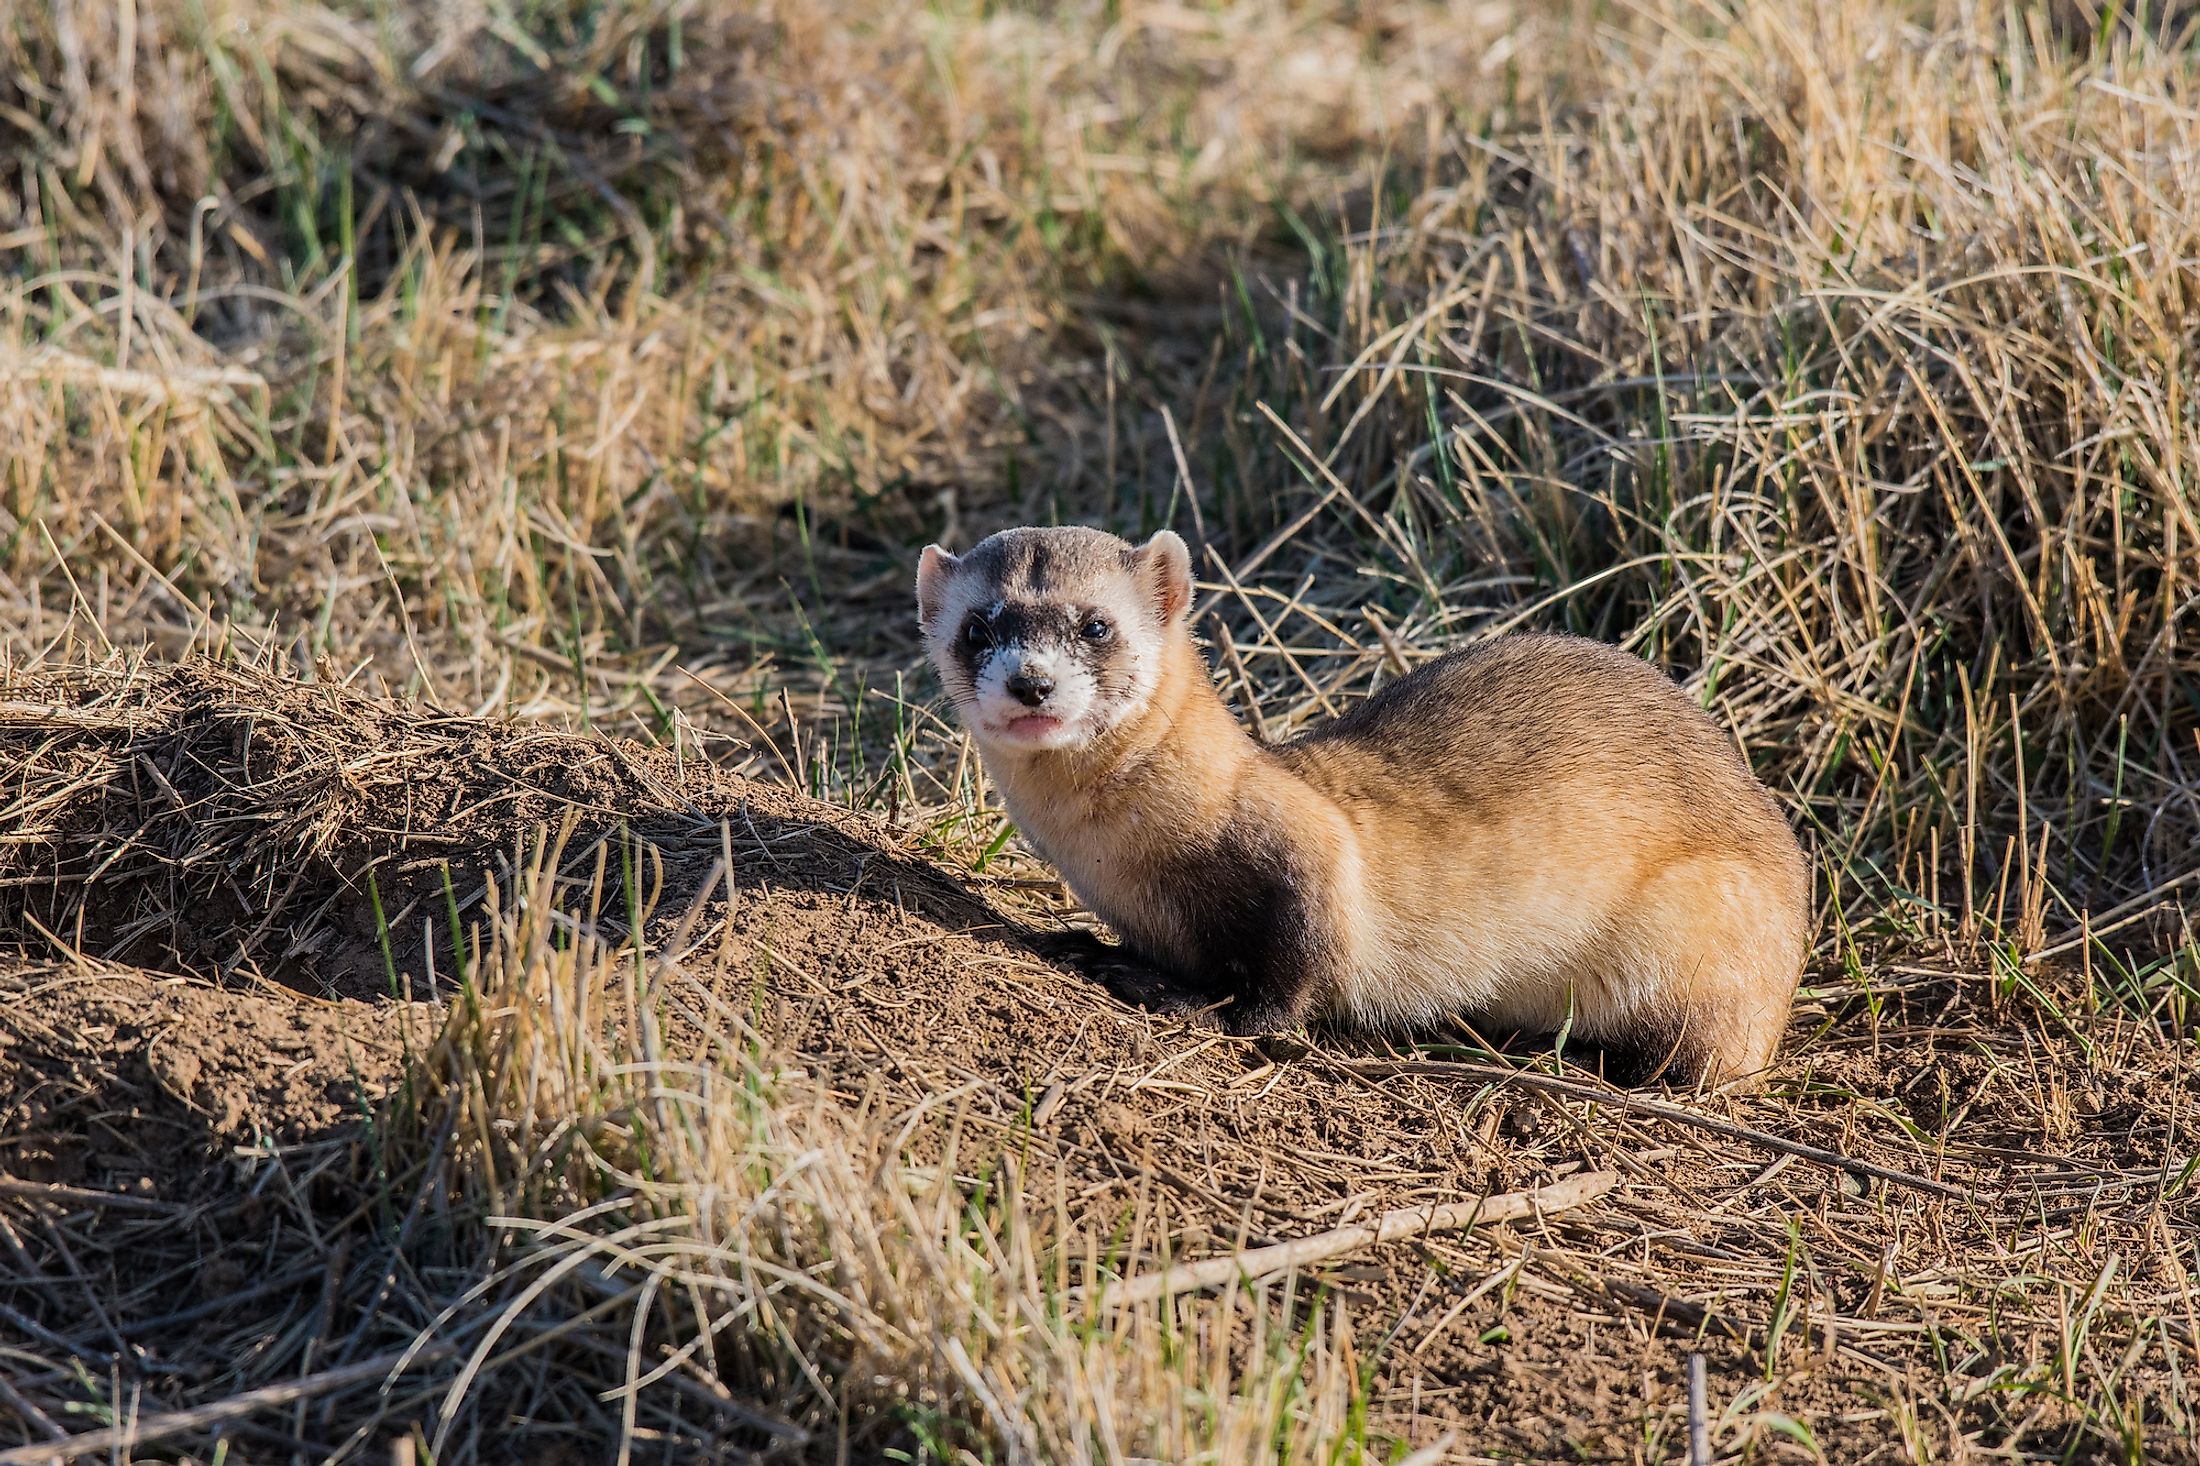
point(1532, 832)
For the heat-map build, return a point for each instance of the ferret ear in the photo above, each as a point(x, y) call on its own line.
point(1167, 566)
point(935, 568)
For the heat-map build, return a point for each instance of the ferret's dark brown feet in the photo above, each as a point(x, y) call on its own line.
point(1144, 987)
point(1251, 1017)
point(1071, 949)
point(1138, 983)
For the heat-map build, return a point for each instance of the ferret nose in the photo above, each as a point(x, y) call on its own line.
point(1030, 688)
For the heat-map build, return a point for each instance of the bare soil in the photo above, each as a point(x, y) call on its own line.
point(201, 1021)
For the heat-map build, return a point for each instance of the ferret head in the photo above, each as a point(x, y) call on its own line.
point(1048, 638)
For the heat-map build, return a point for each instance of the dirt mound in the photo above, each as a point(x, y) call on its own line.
point(171, 1072)
point(206, 820)
point(199, 1050)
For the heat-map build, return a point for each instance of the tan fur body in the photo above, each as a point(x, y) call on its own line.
point(1534, 832)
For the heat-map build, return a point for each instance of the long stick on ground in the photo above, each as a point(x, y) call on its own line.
point(1699, 1423)
point(182, 1422)
point(1412, 1221)
point(1573, 1089)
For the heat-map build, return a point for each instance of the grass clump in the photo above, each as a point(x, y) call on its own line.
point(607, 364)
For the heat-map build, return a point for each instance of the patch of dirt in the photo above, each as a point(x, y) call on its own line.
point(181, 1170)
point(211, 822)
point(164, 1075)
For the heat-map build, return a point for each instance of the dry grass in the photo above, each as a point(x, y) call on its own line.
point(569, 395)
point(605, 363)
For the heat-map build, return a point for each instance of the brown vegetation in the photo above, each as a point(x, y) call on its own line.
point(598, 367)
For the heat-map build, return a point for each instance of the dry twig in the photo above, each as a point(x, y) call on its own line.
point(1262, 1262)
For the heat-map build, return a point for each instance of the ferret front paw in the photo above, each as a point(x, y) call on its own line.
point(1137, 983)
point(1071, 948)
point(1144, 987)
point(1251, 1018)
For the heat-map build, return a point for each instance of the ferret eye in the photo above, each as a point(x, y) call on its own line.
point(975, 633)
point(1096, 629)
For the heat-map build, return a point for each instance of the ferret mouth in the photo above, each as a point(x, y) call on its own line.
point(1013, 725)
point(1032, 731)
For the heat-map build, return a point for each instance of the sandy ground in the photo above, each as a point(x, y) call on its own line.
point(202, 1023)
